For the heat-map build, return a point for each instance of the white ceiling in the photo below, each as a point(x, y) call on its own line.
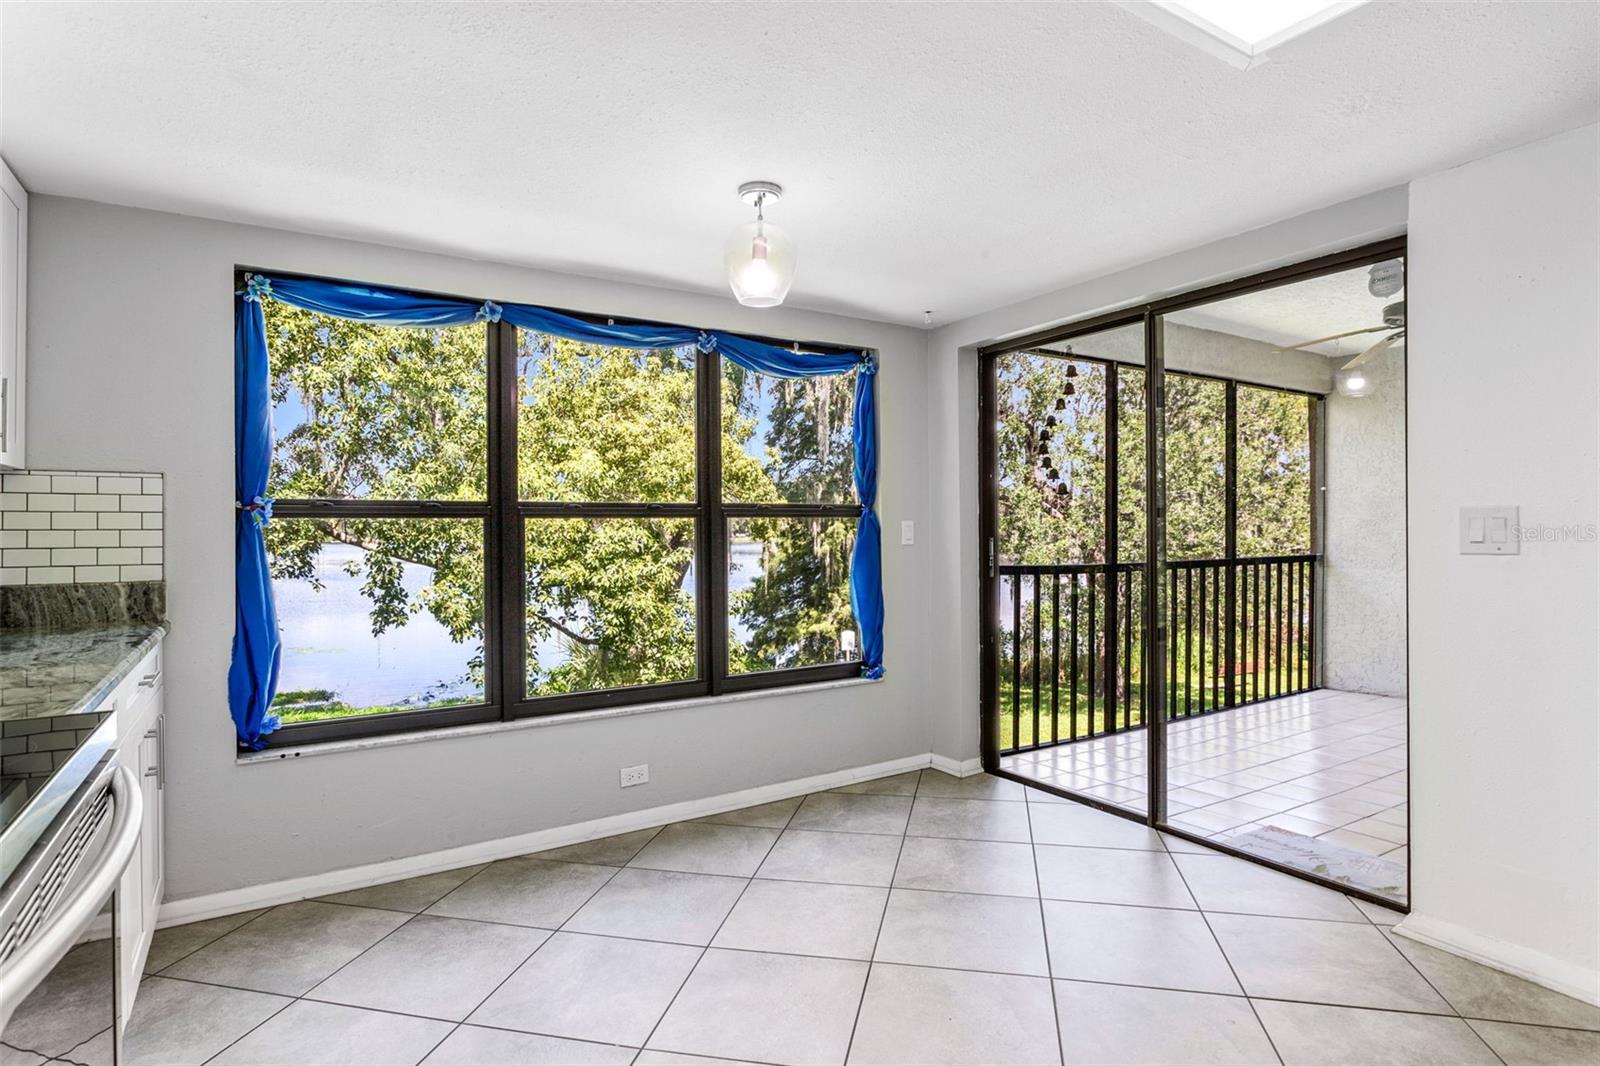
point(952, 157)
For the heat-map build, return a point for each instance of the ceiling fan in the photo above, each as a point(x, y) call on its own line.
point(1384, 280)
point(1394, 325)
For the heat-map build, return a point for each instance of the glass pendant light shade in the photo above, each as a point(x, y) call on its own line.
point(1353, 381)
point(760, 262)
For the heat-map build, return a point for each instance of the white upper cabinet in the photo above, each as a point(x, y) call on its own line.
point(13, 316)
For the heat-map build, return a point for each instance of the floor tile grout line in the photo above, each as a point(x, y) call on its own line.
point(1044, 933)
point(253, 1028)
point(962, 969)
point(264, 912)
point(1224, 953)
point(644, 1044)
point(883, 915)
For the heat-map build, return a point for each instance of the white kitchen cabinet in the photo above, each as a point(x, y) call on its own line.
point(140, 707)
point(13, 318)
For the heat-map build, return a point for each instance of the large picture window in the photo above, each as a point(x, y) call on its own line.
point(481, 521)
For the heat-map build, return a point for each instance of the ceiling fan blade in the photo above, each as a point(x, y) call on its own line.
point(1374, 351)
point(1334, 337)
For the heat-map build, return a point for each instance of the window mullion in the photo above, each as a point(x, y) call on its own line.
point(505, 596)
point(713, 571)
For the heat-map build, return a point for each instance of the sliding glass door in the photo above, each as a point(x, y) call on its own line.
point(1066, 577)
point(1194, 538)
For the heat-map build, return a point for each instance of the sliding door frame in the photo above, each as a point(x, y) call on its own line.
point(1150, 316)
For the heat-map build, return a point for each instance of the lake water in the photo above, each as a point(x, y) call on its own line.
point(328, 641)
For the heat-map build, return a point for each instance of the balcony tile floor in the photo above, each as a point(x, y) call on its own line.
point(921, 918)
point(1327, 765)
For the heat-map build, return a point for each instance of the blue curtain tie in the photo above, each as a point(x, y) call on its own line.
point(869, 362)
point(256, 288)
point(706, 342)
point(259, 509)
point(489, 312)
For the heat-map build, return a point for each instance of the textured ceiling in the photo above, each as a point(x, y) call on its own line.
point(1299, 312)
point(952, 157)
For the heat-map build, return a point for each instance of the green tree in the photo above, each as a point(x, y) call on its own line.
point(373, 412)
point(798, 607)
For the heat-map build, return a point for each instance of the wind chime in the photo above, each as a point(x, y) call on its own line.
point(1047, 464)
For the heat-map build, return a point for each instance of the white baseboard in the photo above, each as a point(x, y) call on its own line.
point(1559, 975)
point(216, 904)
point(957, 767)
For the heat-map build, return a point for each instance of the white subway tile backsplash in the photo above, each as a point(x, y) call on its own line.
point(80, 525)
point(25, 557)
point(120, 484)
point(49, 575)
point(49, 501)
point(96, 502)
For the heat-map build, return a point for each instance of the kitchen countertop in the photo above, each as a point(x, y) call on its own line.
point(47, 673)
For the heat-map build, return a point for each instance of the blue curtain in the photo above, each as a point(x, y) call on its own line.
point(252, 678)
point(253, 673)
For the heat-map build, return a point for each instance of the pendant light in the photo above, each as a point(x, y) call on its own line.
point(760, 255)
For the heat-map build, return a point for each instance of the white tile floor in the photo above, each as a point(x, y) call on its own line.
point(915, 919)
point(1329, 766)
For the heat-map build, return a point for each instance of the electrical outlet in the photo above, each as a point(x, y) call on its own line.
point(635, 775)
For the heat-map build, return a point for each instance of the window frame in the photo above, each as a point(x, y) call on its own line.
point(505, 516)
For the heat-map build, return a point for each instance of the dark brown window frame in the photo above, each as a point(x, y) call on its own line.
point(504, 517)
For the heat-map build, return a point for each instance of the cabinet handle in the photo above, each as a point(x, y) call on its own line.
point(153, 771)
point(5, 413)
point(149, 680)
point(161, 751)
point(151, 734)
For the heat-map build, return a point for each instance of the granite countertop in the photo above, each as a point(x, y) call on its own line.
point(47, 673)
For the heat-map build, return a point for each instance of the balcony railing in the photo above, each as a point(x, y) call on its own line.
point(1072, 650)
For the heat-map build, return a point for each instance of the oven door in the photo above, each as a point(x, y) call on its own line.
point(58, 998)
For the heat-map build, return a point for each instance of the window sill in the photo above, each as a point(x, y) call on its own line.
point(333, 747)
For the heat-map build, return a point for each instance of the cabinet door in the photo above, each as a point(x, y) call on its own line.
point(13, 312)
point(150, 831)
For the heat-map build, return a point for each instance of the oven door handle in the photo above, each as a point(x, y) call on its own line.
point(34, 960)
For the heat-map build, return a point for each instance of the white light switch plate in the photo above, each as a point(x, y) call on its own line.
point(908, 532)
point(1490, 531)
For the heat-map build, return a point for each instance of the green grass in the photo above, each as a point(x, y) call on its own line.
point(321, 705)
point(1089, 715)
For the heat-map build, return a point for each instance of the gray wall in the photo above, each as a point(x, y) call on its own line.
point(1364, 541)
point(131, 365)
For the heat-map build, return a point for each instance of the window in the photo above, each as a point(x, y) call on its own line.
point(623, 525)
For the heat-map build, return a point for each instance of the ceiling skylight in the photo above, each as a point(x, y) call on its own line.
point(1240, 31)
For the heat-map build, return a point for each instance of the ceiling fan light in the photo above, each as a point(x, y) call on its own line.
point(1353, 381)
